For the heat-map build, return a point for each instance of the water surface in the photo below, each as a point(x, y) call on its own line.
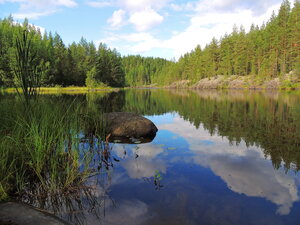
point(218, 158)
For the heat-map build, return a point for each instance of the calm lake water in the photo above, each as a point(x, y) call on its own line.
point(218, 158)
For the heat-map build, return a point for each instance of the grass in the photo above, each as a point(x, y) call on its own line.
point(64, 90)
point(39, 151)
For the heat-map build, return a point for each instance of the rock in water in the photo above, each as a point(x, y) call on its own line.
point(21, 214)
point(129, 125)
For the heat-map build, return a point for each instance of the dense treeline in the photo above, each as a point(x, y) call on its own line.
point(271, 50)
point(143, 70)
point(77, 64)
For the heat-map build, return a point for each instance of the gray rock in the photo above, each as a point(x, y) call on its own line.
point(129, 125)
point(13, 213)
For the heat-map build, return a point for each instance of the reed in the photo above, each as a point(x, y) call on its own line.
point(27, 69)
point(40, 148)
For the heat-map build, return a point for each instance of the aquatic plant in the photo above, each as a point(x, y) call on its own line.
point(40, 151)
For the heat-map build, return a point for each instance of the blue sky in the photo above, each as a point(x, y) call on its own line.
point(160, 28)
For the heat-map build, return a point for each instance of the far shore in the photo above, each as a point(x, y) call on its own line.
point(287, 82)
point(220, 82)
point(234, 82)
point(65, 90)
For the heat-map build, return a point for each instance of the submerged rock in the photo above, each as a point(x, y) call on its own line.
point(126, 127)
point(20, 214)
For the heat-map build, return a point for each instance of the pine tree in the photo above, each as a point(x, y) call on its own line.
point(294, 38)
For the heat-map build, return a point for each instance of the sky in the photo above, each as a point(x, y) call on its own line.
point(159, 28)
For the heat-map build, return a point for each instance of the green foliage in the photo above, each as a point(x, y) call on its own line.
point(27, 70)
point(91, 78)
point(142, 70)
point(109, 68)
point(39, 151)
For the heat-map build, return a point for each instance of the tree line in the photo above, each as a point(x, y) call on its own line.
point(271, 50)
point(268, 51)
point(78, 64)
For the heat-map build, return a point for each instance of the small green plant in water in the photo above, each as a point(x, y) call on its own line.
point(157, 180)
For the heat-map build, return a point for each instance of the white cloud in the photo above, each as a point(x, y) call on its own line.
point(132, 212)
point(134, 43)
point(143, 14)
point(33, 9)
point(137, 5)
point(232, 5)
point(253, 176)
point(42, 4)
point(146, 164)
point(67, 3)
point(101, 4)
point(244, 170)
point(130, 5)
point(117, 19)
point(146, 19)
point(143, 42)
point(143, 168)
point(189, 6)
point(149, 151)
point(32, 15)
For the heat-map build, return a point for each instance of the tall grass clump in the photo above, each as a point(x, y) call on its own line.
point(39, 151)
point(27, 68)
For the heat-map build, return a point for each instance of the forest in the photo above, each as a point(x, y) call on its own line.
point(266, 51)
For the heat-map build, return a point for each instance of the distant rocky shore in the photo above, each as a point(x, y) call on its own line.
point(289, 81)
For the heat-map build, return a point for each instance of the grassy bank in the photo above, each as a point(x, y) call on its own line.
point(64, 90)
point(40, 152)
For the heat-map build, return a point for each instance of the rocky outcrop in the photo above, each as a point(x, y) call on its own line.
point(127, 127)
point(289, 81)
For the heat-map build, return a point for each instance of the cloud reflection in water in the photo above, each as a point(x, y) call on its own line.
point(245, 170)
point(145, 164)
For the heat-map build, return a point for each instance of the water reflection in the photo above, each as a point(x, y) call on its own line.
point(223, 158)
point(142, 162)
point(218, 158)
point(133, 212)
point(244, 169)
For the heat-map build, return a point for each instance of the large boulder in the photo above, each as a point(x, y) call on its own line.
point(126, 127)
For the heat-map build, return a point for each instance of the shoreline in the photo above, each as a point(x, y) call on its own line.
point(234, 82)
point(64, 90)
point(289, 82)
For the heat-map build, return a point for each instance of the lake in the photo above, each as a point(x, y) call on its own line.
point(219, 157)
